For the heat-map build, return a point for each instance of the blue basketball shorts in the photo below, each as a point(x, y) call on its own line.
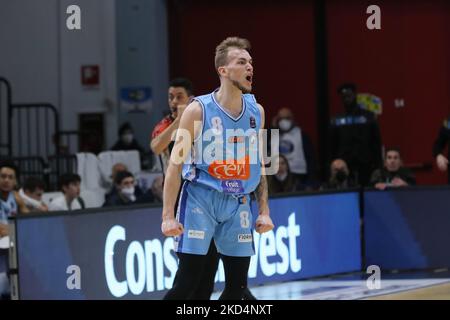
point(209, 214)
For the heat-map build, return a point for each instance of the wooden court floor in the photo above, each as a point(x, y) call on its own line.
point(437, 292)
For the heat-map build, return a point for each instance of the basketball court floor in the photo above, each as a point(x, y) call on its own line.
point(418, 285)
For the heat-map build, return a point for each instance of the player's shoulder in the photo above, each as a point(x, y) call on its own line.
point(194, 110)
point(250, 98)
point(204, 99)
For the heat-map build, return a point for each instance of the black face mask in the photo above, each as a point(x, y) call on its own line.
point(341, 176)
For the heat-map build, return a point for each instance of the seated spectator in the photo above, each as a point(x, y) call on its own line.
point(127, 140)
point(125, 191)
point(71, 200)
point(393, 174)
point(284, 181)
point(117, 167)
point(340, 176)
point(10, 202)
point(120, 167)
point(31, 194)
point(296, 146)
point(10, 205)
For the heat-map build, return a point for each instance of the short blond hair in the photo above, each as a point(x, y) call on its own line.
point(222, 49)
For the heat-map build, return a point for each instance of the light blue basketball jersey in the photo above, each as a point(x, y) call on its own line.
point(8, 208)
point(225, 156)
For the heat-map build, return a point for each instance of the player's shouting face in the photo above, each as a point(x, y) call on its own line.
point(239, 69)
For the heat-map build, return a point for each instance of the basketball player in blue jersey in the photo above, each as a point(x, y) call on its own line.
point(218, 153)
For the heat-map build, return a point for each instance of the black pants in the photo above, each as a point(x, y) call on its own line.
point(195, 277)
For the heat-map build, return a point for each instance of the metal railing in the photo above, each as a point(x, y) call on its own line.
point(33, 129)
point(58, 165)
point(5, 103)
point(31, 167)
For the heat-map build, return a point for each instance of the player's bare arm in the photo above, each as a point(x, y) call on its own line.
point(263, 222)
point(188, 129)
point(161, 142)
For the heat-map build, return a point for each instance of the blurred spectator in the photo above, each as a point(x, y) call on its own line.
point(10, 202)
point(10, 205)
point(116, 168)
point(284, 181)
point(31, 194)
point(127, 140)
point(393, 174)
point(125, 191)
point(440, 143)
point(296, 146)
point(71, 200)
point(355, 137)
point(340, 176)
point(120, 167)
point(180, 92)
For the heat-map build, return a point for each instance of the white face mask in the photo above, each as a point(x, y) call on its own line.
point(129, 193)
point(285, 124)
point(29, 202)
point(127, 138)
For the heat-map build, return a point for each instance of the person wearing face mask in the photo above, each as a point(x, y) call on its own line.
point(127, 140)
point(295, 145)
point(125, 194)
point(141, 197)
point(354, 136)
point(283, 181)
point(31, 193)
point(340, 177)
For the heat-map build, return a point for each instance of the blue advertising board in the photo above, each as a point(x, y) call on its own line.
point(121, 253)
point(407, 228)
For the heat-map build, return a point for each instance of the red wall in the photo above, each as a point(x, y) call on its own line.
point(407, 58)
point(282, 41)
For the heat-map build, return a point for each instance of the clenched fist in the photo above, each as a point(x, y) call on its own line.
point(264, 223)
point(171, 228)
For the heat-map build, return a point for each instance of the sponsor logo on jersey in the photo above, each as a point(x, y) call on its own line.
point(247, 237)
point(232, 186)
point(252, 122)
point(196, 234)
point(230, 169)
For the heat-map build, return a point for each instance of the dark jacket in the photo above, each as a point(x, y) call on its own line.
point(385, 176)
point(355, 138)
point(333, 184)
point(290, 184)
point(115, 199)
